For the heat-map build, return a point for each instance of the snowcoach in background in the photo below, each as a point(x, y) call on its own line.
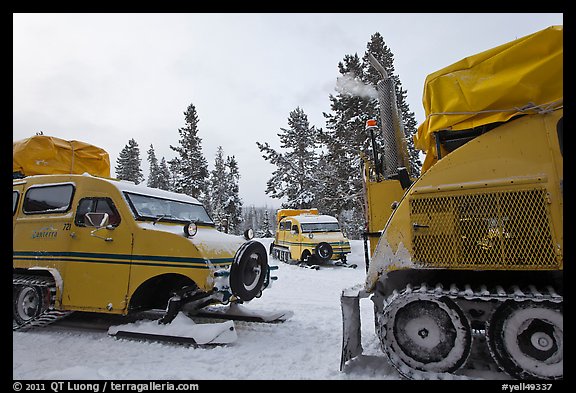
point(303, 236)
point(467, 267)
point(83, 241)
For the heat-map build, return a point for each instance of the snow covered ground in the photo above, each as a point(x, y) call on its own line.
point(305, 347)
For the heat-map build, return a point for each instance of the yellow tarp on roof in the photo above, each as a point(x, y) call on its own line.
point(294, 212)
point(493, 86)
point(48, 155)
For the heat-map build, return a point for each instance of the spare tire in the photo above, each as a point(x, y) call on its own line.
point(249, 271)
point(323, 251)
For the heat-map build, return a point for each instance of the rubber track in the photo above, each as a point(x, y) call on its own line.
point(498, 293)
point(49, 315)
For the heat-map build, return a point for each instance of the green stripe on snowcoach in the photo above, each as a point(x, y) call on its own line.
point(335, 245)
point(120, 259)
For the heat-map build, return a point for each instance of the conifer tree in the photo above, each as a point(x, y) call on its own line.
point(154, 171)
point(128, 164)
point(189, 169)
point(294, 177)
point(377, 47)
point(218, 190)
point(224, 203)
point(163, 175)
point(233, 204)
point(249, 217)
point(264, 227)
point(345, 138)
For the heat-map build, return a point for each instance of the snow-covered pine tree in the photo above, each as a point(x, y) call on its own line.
point(224, 203)
point(295, 175)
point(217, 190)
point(264, 226)
point(249, 217)
point(344, 139)
point(174, 170)
point(261, 219)
point(190, 168)
point(154, 171)
point(377, 47)
point(233, 204)
point(163, 175)
point(128, 163)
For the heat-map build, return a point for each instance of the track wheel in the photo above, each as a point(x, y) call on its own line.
point(249, 271)
point(526, 339)
point(28, 303)
point(423, 333)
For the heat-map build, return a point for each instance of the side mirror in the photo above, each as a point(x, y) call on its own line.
point(95, 219)
point(99, 221)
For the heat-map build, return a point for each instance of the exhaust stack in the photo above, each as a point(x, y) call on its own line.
point(396, 161)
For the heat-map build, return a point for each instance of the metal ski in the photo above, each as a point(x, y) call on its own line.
point(182, 330)
point(238, 312)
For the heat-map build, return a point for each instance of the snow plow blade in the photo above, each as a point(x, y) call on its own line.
point(238, 312)
point(182, 331)
point(351, 324)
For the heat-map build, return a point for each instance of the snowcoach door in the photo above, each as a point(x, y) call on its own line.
point(100, 257)
point(280, 234)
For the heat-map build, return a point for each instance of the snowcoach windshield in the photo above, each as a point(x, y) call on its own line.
point(154, 208)
point(320, 227)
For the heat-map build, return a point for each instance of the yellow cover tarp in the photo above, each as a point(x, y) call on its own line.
point(47, 155)
point(522, 76)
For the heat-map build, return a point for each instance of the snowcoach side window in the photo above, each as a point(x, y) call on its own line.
point(287, 225)
point(48, 199)
point(15, 197)
point(321, 227)
point(97, 205)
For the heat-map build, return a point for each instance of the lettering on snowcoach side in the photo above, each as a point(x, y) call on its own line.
point(45, 233)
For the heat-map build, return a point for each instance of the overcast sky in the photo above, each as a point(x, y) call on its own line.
point(106, 78)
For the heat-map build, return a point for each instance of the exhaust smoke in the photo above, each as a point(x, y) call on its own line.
point(350, 85)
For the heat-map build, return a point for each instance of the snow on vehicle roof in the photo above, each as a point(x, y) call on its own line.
point(122, 185)
point(129, 186)
point(313, 218)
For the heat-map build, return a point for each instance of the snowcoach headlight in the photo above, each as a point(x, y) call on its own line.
point(190, 229)
point(248, 234)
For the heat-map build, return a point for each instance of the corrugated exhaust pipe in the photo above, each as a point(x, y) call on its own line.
point(395, 151)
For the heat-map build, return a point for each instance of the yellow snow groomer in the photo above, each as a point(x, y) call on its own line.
point(467, 267)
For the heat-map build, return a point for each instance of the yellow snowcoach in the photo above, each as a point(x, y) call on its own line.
point(91, 243)
point(467, 270)
point(304, 236)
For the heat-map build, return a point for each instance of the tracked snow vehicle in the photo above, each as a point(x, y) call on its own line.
point(305, 237)
point(467, 267)
point(91, 243)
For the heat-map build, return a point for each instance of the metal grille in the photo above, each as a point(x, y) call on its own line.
point(489, 230)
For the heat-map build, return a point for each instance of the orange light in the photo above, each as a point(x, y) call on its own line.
point(371, 123)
